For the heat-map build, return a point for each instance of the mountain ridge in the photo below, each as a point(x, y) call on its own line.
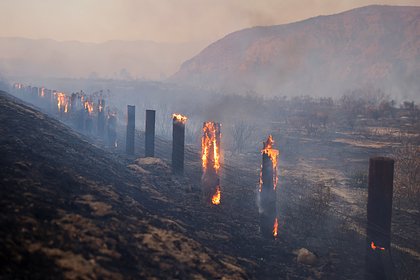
point(374, 45)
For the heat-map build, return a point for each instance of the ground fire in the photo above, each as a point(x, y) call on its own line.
point(275, 227)
point(216, 197)
point(374, 247)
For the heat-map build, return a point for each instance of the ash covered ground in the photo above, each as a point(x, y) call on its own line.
point(72, 208)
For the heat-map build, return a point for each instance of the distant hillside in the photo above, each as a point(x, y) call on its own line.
point(326, 55)
point(112, 59)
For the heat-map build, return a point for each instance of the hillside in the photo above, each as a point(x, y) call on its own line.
point(21, 57)
point(324, 56)
point(72, 210)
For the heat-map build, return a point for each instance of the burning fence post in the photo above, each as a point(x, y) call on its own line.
point(88, 113)
point(150, 133)
point(379, 212)
point(178, 142)
point(112, 130)
point(131, 125)
point(210, 156)
point(267, 189)
point(101, 117)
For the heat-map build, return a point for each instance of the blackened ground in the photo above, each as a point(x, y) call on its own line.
point(84, 213)
point(69, 209)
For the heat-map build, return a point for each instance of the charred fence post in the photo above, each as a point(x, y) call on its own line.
point(379, 213)
point(112, 131)
point(131, 125)
point(210, 155)
point(178, 143)
point(73, 102)
point(150, 133)
point(101, 117)
point(268, 182)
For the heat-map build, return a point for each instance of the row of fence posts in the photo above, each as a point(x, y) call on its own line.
point(178, 137)
point(380, 191)
point(380, 183)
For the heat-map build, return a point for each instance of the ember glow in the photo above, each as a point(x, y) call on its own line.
point(273, 155)
point(179, 118)
point(210, 147)
point(216, 197)
point(275, 228)
point(374, 247)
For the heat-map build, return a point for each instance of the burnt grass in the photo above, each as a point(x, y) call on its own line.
point(72, 209)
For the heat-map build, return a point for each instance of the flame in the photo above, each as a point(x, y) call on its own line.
point(89, 106)
point(18, 85)
point(273, 155)
point(275, 227)
point(42, 94)
point(374, 247)
point(216, 197)
point(179, 118)
point(100, 105)
point(62, 101)
point(209, 144)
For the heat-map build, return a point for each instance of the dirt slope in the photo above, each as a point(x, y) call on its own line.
point(71, 210)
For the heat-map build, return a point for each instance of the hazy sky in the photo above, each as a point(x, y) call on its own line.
point(158, 20)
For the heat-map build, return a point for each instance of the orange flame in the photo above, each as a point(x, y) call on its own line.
point(216, 197)
point(275, 227)
point(209, 144)
point(273, 155)
point(179, 118)
point(89, 106)
point(62, 101)
point(374, 247)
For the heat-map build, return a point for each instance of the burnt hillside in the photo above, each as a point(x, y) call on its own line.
point(72, 210)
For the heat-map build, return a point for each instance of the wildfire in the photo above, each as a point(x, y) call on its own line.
point(273, 155)
point(275, 227)
point(179, 118)
point(210, 144)
point(216, 197)
point(374, 247)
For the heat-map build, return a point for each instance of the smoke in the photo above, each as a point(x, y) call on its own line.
point(110, 60)
point(4, 84)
